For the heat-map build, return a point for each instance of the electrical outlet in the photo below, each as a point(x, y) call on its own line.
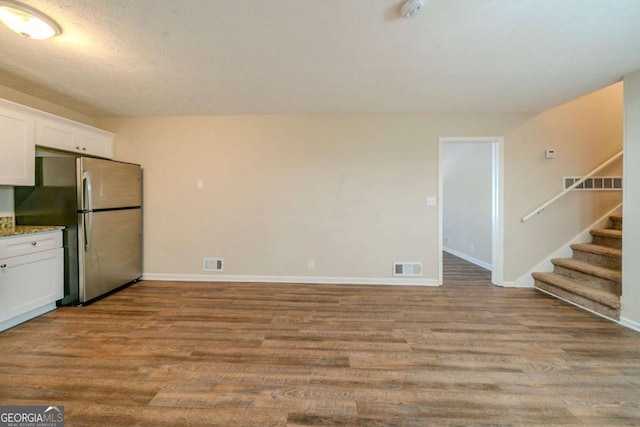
point(312, 264)
point(199, 184)
point(431, 201)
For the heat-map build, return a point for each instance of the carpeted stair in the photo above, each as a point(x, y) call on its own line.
point(592, 278)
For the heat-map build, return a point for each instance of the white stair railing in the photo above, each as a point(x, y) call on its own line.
point(567, 190)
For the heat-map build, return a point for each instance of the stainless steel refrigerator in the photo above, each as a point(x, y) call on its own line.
point(100, 204)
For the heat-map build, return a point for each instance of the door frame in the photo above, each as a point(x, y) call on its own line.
point(497, 203)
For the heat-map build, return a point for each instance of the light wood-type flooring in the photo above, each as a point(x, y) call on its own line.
point(237, 354)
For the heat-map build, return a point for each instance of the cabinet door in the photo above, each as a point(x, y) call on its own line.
point(97, 144)
point(74, 137)
point(30, 281)
point(52, 134)
point(17, 148)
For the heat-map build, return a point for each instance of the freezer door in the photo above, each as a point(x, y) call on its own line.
point(105, 184)
point(110, 247)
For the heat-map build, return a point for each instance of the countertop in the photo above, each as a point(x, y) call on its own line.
point(28, 229)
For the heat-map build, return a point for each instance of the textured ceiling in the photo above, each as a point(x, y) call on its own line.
point(198, 57)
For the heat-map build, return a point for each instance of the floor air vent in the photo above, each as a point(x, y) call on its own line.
point(212, 264)
point(407, 269)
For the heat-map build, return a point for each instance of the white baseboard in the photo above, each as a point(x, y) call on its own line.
point(628, 323)
point(468, 258)
point(516, 285)
point(545, 266)
point(291, 279)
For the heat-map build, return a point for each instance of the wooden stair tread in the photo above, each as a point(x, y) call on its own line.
point(604, 298)
point(607, 232)
point(597, 249)
point(615, 217)
point(585, 267)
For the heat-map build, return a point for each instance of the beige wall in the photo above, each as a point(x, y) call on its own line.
point(584, 133)
point(42, 105)
point(348, 191)
point(630, 311)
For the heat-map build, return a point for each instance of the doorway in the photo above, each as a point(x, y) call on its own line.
point(471, 218)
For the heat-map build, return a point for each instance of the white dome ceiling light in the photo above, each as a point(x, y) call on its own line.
point(410, 8)
point(30, 23)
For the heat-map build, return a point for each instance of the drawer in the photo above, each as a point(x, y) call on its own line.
point(25, 244)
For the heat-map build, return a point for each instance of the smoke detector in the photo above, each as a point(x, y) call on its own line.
point(410, 8)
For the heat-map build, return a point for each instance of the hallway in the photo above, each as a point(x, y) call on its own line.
point(458, 272)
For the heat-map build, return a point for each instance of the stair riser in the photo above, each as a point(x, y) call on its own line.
point(577, 299)
point(616, 224)
point(599, 260)
point(590, 280)
point(611, 242)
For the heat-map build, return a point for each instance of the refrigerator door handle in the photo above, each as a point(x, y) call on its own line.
point(88, 190)
point(88, 230)
point(88, 224)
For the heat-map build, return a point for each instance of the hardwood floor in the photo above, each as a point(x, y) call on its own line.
point(462, 273)
point(204, 354)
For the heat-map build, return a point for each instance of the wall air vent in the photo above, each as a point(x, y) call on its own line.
point(407, 269)
point(596, 183)
point(212, 264)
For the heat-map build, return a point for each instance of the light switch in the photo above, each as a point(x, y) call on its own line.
point(431, 201)
point(199, 184)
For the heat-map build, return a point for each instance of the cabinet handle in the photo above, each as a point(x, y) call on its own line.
point(34, 243)
point(77, 147)
point(3, 266)
point(84, 148)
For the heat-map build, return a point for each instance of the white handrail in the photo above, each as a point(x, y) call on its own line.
point(575, 184)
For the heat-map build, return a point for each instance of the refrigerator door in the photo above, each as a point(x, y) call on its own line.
point(105, 184)
point(110, 250)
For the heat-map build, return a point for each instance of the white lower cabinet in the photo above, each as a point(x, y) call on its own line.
point(32, 282)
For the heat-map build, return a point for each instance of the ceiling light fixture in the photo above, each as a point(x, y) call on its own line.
point(30, 23)
point(410, 8)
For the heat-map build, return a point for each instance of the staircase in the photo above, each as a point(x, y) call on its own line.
point(592, 278)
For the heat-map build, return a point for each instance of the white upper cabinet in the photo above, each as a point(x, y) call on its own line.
point(22, 128)
point(97, 143)
point(75, 137)
point(17, 147)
